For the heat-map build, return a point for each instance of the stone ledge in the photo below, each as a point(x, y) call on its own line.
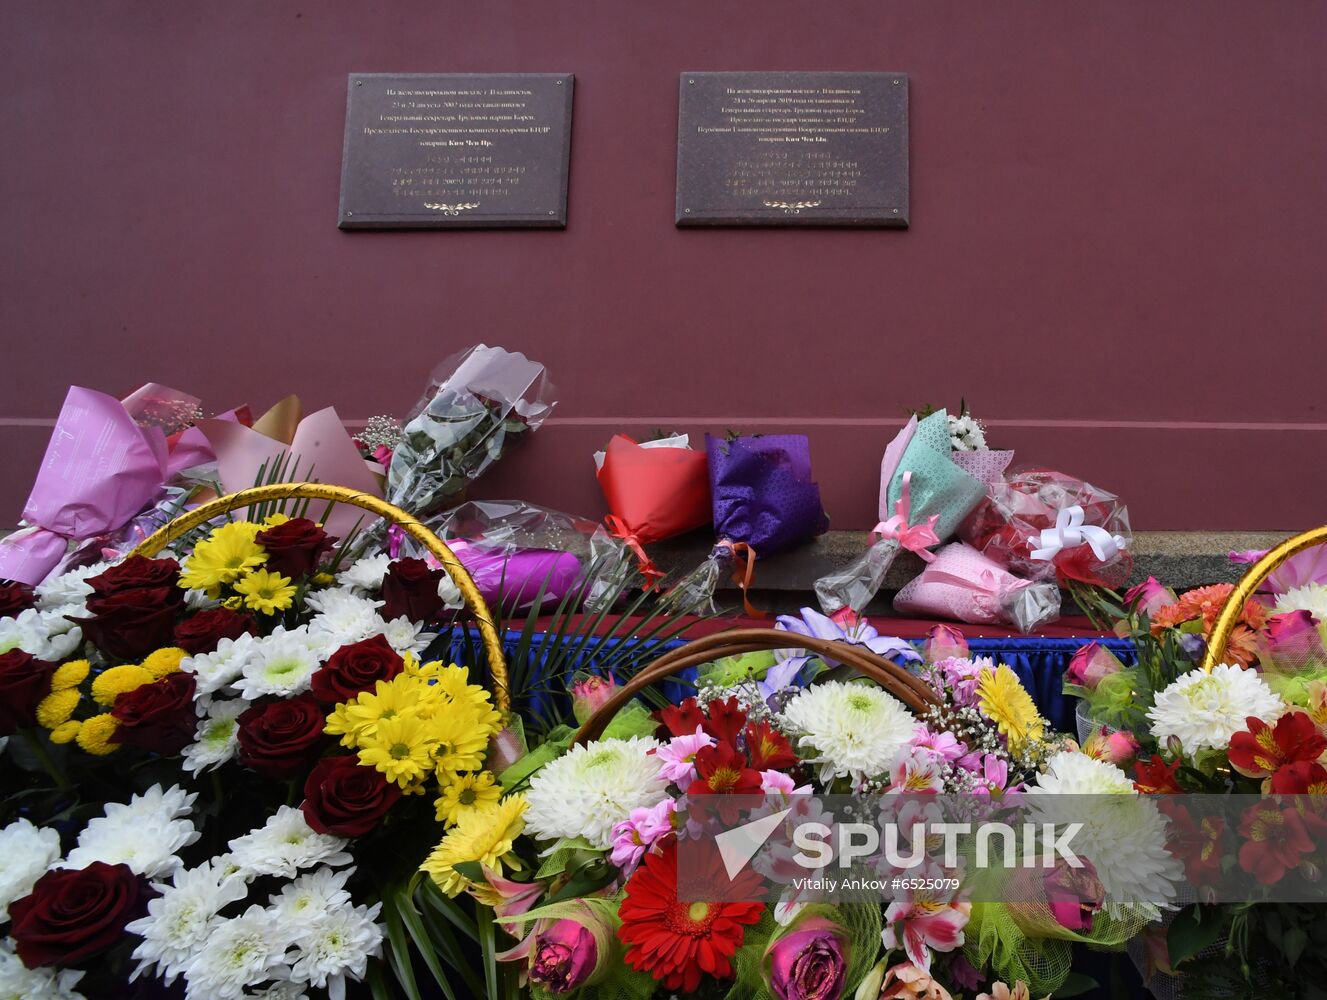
point(1180, 559)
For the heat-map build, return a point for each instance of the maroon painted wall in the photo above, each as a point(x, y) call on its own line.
point(1117, 254)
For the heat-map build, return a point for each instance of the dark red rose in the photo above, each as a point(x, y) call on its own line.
point(14, 598)
point(279, 738)
point(75, 913)
point(204, 631)
point(129, 624)
point(355, 668)
point(158, 717)
point(410, 589)
point(136, 573)
point(344, 798)
point(24, 681)
point(294, 547)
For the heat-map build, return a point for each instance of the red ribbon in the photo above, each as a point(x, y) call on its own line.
point(618, 529)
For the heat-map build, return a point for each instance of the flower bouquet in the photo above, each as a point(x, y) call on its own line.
point(523, 556)
point(589, 857)
point(924, 495)
point(764, 502)
point(962, 584)
point(478, 404)
point(224, 768)
point(1043, 525)
point(654, 490)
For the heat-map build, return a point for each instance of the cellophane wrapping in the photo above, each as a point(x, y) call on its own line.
point(966, 586)
point(477, 405)
point(513, 550)
point(1007, 526)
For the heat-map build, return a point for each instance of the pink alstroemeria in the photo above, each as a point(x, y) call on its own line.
point(994, 776)
point(679, 757)
point(919, 773)
point(927, 919)
point(516, 898)
point(639, 832)
point(944, 745)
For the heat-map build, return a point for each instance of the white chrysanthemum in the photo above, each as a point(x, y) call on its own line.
point(365, 574)
point(244, 951)
point(200, 600)
point(18, 982)
point(406, 636)
point(590, 789)
point(1204, 710)
point(309, 896)
point(286, 844)
point(1120, 832)
point(26, 851)
point(336, 945)
point(68, 588)
point(146, 834)
point(1312, 597)
point(278, 991)
point(220, 668)
point(1073, 773)
point(42, 634)
point(181, 919)
point(855, 730)
point(966, 433)
point(343, 617)
point(281, 665)
point(217, 737)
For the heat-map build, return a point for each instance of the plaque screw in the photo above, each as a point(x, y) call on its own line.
point(558, 82)
point(350, 213)
point(360, 83)
point(551, 212)
point(687, 211)
point(896, 83)
point(896, 211)
point(691, 81)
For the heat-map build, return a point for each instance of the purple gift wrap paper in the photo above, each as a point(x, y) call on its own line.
point(763, 493)
point(517, 576)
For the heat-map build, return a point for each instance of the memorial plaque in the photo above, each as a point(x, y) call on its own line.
point(792, 149)
point(456, 150)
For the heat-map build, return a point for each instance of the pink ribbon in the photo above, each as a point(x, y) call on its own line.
point(916, 538)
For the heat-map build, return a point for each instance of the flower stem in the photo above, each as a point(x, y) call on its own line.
point(34, 741)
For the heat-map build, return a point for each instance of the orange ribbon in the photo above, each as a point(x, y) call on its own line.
point(742, 576)
point(618, 529)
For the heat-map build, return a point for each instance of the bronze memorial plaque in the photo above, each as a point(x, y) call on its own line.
point(456, 150)
point(792, 149)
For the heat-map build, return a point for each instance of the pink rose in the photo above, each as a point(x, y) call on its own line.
point(1294, 636)
point(563, 957)
point(809, 963)
point(944, 642)
point(1118, 748)
point(1092, 664)
point(589, 694)
point(1149, 597)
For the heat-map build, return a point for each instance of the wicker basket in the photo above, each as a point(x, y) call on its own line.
point(1248, 585)
point(910, 690)
point(474, 601)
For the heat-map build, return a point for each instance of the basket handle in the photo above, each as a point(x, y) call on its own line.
point(1248, 585)
point(474, 601)
point(909, 689)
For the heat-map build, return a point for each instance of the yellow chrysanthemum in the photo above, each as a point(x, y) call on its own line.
point(356, 719)
point(56, 708)
point(463, 794)
point(485, 836)
point(272, 520)
point(164, 661)
point(401, 748)
point(94, 735)
point(460, 738)
point(266, 592)
point(322, 579)
point(70, 675)
point(223, 557)
point(1004, 701)
point(110, 684)
point(66, 731)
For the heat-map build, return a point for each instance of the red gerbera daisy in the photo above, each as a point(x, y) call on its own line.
point(674, 941)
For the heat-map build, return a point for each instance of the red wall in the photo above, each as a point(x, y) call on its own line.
point(1117, 254)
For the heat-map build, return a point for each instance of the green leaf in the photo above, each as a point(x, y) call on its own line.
point(405, 909)
point(400, 951)
point(1076, 984)
point(488, 942)
point(1193, 929)
point(1293, 943)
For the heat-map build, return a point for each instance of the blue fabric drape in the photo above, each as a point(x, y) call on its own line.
point(1040, 663)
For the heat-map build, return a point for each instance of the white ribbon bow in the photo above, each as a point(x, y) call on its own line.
point(1070, 532)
